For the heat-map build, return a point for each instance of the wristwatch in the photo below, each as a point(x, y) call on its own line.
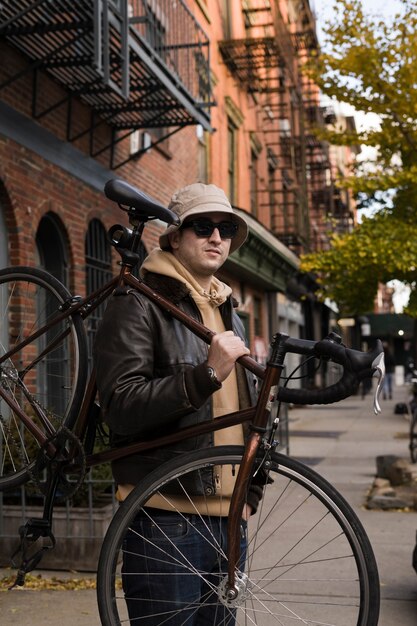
point(213, 376)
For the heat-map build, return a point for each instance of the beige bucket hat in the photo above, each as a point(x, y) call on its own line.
point(200, 199)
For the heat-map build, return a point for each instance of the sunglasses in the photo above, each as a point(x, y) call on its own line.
point(205, 228)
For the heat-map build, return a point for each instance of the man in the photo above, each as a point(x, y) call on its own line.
point(389, 372)
point(155, 376)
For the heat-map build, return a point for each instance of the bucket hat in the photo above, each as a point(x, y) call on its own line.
point(200, 199)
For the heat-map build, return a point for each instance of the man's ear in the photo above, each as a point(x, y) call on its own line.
point(174, 239)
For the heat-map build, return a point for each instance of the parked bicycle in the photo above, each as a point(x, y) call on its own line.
point(308, 559)
point(413, 416)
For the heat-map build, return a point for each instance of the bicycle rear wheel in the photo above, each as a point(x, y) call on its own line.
point(49, 372)
point(308, 559)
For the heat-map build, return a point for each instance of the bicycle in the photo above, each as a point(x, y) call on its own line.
point(413, 418)
point(308, 558)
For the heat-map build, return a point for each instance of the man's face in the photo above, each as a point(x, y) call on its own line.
point(202, 256)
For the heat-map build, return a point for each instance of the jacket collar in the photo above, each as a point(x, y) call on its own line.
point(167, 287)
point(170, 288)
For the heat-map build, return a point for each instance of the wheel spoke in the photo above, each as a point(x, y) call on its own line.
point(43, 375)
point(307, 561)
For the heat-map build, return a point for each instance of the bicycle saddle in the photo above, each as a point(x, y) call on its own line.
point(140, 205)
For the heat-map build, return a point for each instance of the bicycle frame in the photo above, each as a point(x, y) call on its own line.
point(257, 415)
point(63, 454)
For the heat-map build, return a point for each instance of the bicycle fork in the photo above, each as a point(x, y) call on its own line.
point(258, 428)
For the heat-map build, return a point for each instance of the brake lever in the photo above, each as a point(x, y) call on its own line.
point(378, 366)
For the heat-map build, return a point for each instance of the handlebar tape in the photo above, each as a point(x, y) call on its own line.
point(356, 366)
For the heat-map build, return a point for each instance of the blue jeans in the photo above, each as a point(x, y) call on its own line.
point(387, 389)
point(172, 567)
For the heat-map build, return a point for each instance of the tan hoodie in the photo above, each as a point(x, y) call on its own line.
point(225, 400)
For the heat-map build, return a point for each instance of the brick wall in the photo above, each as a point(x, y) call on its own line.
point(31, 186)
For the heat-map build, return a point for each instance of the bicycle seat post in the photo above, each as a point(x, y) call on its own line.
point(138, 227)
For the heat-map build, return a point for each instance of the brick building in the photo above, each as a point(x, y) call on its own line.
point(164, 94)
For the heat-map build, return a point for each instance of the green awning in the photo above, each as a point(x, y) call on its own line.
point(263, 259)
point(386, 325)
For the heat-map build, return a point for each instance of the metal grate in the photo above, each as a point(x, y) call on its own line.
point(138, 65)
point(98, 272)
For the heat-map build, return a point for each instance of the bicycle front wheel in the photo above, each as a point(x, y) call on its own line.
point(307, 559)
point(46, 374)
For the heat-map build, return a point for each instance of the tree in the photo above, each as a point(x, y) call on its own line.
point(371, 64)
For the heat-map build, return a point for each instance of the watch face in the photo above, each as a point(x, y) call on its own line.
point(212, 374)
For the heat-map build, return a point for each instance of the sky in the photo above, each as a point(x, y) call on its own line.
point(323, 8)
point(387, 8)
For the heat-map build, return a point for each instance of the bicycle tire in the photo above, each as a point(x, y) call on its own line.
point(413, 437)
point(53, 376)
point(304, 531)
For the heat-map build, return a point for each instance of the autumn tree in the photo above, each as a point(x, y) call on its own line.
point(370, 63)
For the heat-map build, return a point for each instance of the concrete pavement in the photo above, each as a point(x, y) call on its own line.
point(341, 442)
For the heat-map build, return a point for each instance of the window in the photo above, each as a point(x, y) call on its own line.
point(226, 18)
point(254, 182)
point(98, 272)
point(155, 29)
point(231, 163)
point(272, 194)
point(52, 248)
point(255, 151)
point(202, 154)
point(52, 256)
point(257, 316)
point(235, 119)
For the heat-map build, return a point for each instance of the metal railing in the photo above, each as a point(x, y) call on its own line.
point(138, 64)
point(171, 31)
point(79, 524)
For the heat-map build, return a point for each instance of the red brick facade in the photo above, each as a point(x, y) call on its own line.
point(36, 180)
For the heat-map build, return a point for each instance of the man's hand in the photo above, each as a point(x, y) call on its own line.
point(225, 349)
point(247, 512)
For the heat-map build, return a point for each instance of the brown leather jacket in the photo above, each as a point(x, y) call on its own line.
point(152, 377)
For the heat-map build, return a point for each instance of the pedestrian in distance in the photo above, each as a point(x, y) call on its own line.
point(389, 372)
point(155, 376)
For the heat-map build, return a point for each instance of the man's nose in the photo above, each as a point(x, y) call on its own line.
point(215, 235)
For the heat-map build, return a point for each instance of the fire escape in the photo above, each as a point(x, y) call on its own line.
point(264, 61)
point(328, 211)
point(137, 65)
point(268, 62)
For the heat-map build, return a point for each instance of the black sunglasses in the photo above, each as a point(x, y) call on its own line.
point(205, 228)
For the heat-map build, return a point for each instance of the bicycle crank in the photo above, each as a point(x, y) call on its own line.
point(62, 457)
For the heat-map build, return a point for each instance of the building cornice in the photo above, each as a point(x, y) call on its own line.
point(263, 259)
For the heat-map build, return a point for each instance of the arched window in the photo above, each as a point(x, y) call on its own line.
point(98, 271)
point(52, 247)
point(52, 251)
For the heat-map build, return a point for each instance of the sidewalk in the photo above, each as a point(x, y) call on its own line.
point(47, 607)
point(341, 442)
